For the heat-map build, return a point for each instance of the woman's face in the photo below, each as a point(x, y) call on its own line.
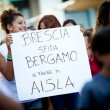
point(18, 25)
point(42, 25)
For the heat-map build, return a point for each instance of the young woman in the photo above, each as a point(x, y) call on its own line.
point(12, 22)
point(61, 102)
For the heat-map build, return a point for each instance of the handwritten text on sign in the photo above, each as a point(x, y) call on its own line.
point(49, 62)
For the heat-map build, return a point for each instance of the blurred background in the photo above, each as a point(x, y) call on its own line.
point(82, 11)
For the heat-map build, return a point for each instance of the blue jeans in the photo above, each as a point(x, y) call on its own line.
point(68, 101)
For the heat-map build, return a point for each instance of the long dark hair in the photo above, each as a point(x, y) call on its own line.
point(102, 16)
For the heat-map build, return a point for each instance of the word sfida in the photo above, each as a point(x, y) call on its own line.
point(42, 36)
point(51, 59)
point(48, 48)
point(49, 83)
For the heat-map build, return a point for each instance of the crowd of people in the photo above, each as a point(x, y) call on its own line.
point(95, 94)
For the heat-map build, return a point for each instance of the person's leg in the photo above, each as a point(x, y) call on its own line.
point(33, 105)
point(45, 103)
point(50, 105)
point(72, 101)
point(58, 102)
point(37, 109)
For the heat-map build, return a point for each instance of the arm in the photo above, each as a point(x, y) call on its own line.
point(6, 68)
point(7, 103)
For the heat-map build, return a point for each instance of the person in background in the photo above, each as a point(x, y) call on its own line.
point(96, 94)
point(88, 39)
point(45, 24)
point(69, 22)
point(60, 102)
point(87, 36)
point(7, 103)
point(48, 21)
point(30, 28)
point(12, 22)
point(103, 16)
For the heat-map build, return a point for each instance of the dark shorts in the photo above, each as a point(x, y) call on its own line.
point(32, 105)
point(67, 101)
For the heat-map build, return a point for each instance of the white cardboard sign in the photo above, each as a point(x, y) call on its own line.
point(49, 62)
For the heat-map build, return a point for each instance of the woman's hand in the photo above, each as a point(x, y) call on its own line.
point(9, 41)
